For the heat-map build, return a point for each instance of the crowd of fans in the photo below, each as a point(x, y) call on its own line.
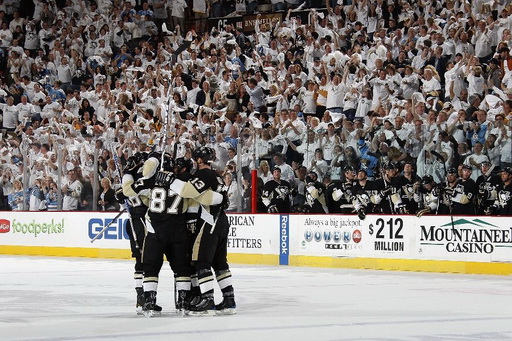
point(361, 89)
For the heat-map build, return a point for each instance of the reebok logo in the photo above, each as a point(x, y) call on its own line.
point(5, 226)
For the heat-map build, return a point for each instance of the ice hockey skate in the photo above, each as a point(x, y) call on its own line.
point(140, 301)
point(205, 306)
point(227, 306)
point(150, 308)
point(182, 302)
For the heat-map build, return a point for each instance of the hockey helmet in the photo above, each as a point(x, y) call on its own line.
point(206, 154)
point(168, 162)
point(391, 166)
point(181, 163)
point(507, 170)
point(155, 154)
point(134, 161)
point(349, 169)
point(452, 170)
point(427, 180)
point(311, 177)
point(141, 157)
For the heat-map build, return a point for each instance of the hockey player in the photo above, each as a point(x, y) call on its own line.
point(166, 230)
point(428, 196)
point(361, 200)
point(315, 195)
point(210, 245)
point(447, 191)
point(138, 207)
point(486, 184)
point(503, 203)
point(385, 192)
point(464, 193)
point(182, 168)
point(405, 183)
point(276, 193)
point(196, 200)
point(342, 193)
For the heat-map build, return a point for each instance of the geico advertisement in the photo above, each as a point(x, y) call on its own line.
point(249, 233)
point(480, 239)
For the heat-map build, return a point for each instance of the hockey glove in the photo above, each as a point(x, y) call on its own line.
point(120, 197)
point(448, 191)
point(164, 178)
point(402, 209)
point(361, 213)
point(347, 188)
point(225, 201)
point(422, 212)
point(386, 191)
point(489, 210)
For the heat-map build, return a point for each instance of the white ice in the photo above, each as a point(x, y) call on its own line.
point(61, 299)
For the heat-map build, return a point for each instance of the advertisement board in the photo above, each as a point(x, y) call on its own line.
point(248, 233)
point(324, 235)
point(479, 239)
point(253, 234)
point(279, 239)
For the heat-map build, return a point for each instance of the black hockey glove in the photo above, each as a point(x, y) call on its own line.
point(225, 200)
point(347, 188)
point(164, 178)
point(386, 191)
point(448, 191)
point(361, 213)
point(120, 197)
point(489, 210)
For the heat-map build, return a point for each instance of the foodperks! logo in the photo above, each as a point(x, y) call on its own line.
point(5, 226)
point(36, 228)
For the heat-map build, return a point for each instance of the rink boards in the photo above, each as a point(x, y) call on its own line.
point(477, 245)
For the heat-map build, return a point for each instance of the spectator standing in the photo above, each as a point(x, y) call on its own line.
point(71, 190)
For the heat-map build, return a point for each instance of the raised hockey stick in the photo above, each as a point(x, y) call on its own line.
point(108, 225)
point(126, 203)
point(164, 136)
point(440, 158)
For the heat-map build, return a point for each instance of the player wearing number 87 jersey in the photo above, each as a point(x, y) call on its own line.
point(166, 232)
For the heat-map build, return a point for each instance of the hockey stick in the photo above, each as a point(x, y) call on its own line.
point(215, 221)
point(440, 158)
point(108, 225)
point(385, 187)
point(126, 204)
point(164, 136)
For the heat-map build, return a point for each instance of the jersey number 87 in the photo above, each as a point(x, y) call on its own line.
point(158, 201)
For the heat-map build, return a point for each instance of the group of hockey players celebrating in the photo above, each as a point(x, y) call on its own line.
point(178, 213)
point(397, 191)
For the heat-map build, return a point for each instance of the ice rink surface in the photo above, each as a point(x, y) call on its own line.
point(59, 299)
